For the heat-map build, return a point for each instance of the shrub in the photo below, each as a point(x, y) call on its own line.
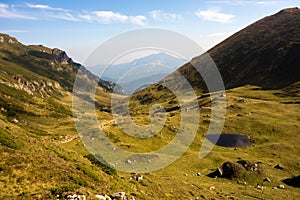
point(102, 164)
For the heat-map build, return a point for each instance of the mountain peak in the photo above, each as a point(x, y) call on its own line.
point(265, 53)
point(290, 10)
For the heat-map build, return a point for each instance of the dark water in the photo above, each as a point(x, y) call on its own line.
point(229, 140)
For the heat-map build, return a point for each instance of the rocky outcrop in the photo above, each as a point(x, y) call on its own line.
point(242, 169)
point(61, 57)
point(8, 39)
point(41, 88)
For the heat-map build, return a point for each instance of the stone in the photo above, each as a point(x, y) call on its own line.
point(128, 161)
point(278, 166)
point(15, 121)
point(281, 186)
point(242, 101)
point(259, 187)
point(118, 196)
point(220, 171)
point(101, 197)
point(267, 179)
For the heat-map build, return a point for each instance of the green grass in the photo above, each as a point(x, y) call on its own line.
point(7, 140)
point(38, 162)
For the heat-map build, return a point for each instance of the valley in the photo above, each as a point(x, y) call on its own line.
point(43, 155)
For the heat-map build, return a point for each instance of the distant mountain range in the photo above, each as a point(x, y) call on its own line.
point(139, 73)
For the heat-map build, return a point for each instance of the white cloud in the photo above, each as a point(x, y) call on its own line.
point(7, 12)
point(43, 7)
point(55, 13)
point(162, 15)
point(110, 17)
point(266, 3)
point(138, 20)
point(246, 2)
point(64, 16)
point(86, 17)
point(107, 17)
point(214, 15)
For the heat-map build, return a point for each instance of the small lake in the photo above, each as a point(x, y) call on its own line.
point(229, 140)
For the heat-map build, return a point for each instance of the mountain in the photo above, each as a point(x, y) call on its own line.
point(141, 72)
point(43, 157)
point(266, 54)
point(53, 64)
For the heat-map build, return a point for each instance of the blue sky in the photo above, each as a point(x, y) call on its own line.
point(80, 26)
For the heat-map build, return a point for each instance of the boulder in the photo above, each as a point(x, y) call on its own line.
point(267, 180)
point(119, 196)
point(278, 166)
point(101, 197)
point(281, 186)
point(241, 169)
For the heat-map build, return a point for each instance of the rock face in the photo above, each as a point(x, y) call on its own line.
point(61, 57)
point(42, 88)
point(54, 64)
point(4, 38)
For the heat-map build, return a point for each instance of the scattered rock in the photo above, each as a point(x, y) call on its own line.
point(219, 172)
point(278, 166)
point(267, 179)
point(240, 169)
point(15, 121)
point(101, 197)
point(119, 196)
point(212, 188)
point(242, 182)
point(281, 186)
point(137, 177)
point(128, 161)
point(243, 101)
point(258, 186)
point(199, 174)
point(75, 197)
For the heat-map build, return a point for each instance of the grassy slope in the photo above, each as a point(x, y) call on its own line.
point(269, 117)
point(37, 160)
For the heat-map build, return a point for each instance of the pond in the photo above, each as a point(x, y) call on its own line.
point(229, 140)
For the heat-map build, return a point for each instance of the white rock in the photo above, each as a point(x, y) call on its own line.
point(101, 197)
point(280, 186)
point(212, 188)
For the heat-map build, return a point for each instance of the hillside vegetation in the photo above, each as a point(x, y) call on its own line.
point(42, 155)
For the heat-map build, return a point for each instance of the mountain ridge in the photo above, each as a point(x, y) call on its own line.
point(46, 62)
point(272, 42)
